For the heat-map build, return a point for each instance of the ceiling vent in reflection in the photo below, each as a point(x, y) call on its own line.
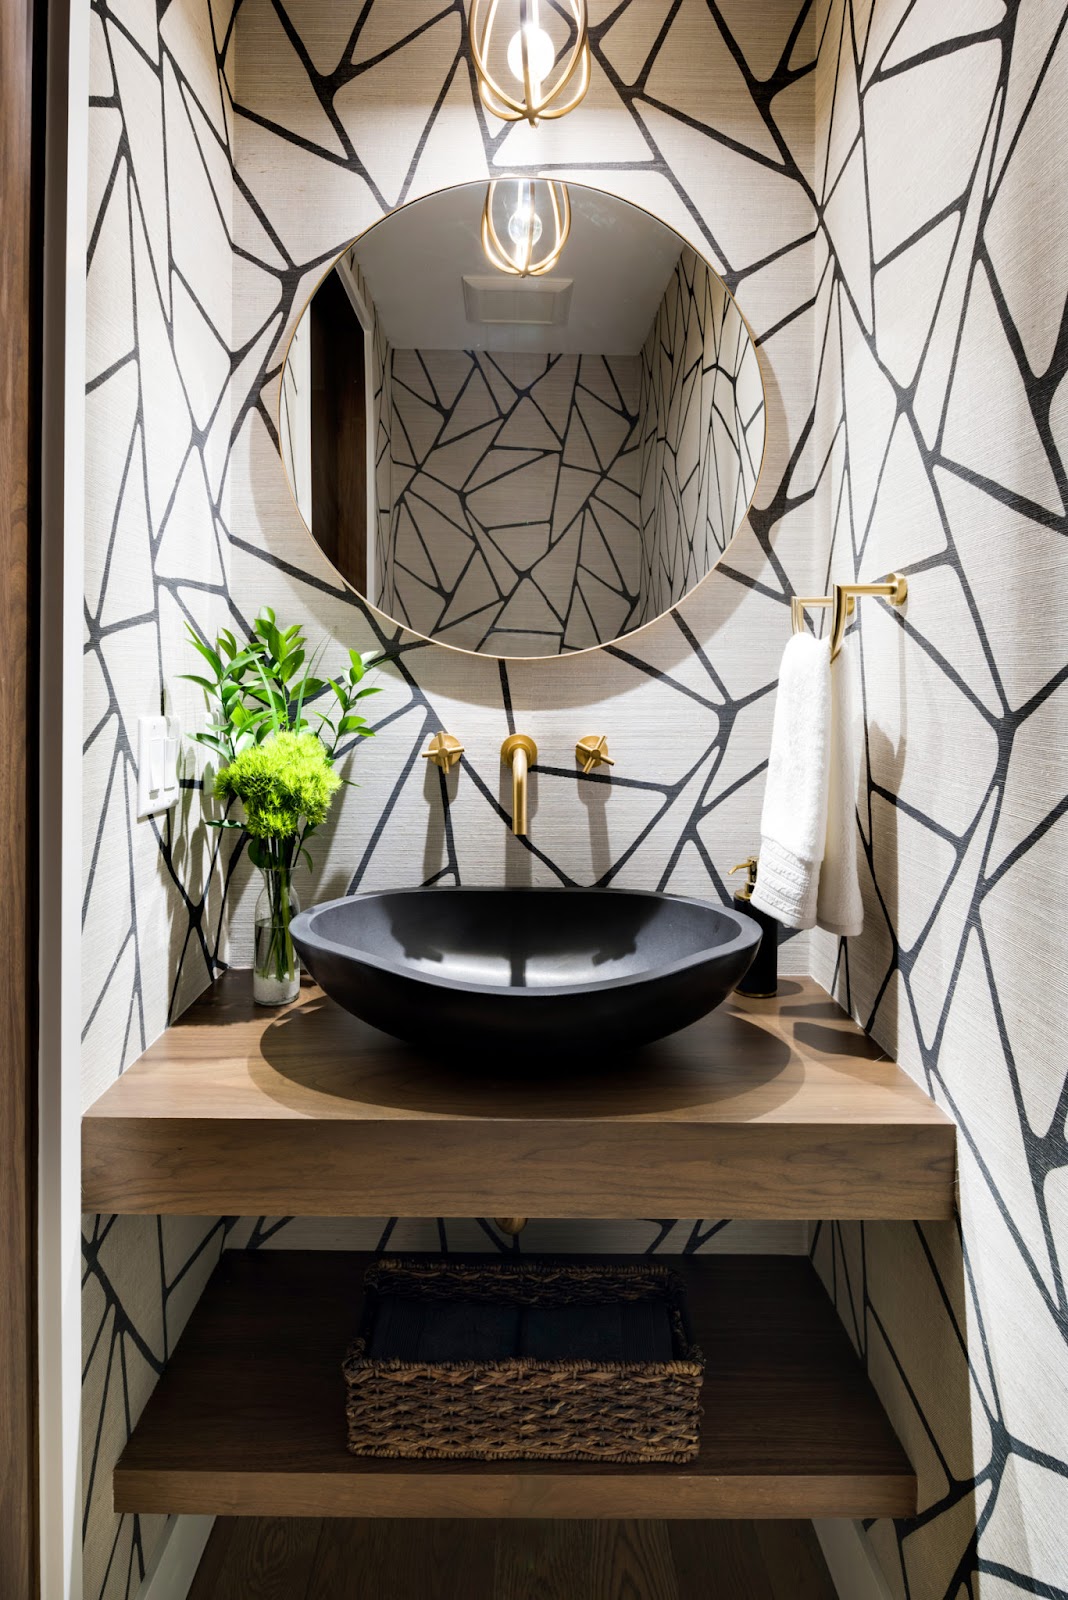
point(540, 302)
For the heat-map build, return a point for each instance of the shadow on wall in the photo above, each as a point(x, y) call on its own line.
point(194, 866)
point(887, 758)
point(868, 963)
point(901, 1288)
point(905, 1291)
point(439, 788)
point(595, 791)
point(915, 1349)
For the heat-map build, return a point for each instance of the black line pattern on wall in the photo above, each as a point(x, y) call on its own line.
point(193, 277)
point(933, 439)
point(944, 355)
point(702, 420)
point(130, 1333)
point(158, 367)
point(514, 515)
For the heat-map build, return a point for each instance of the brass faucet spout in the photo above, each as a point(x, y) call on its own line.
point(519, 752)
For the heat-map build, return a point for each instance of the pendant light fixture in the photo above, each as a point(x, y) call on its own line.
point(532, 57)
point(525, 224)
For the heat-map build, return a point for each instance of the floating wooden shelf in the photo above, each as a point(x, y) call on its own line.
point(248, 1418)
point(766, 1109)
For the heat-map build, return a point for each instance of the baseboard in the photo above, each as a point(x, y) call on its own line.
point(177, 1558)
point(850, 1559)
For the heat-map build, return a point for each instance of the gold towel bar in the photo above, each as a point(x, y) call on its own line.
point(843, 602)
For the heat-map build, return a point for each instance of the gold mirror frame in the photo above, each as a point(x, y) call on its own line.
point(486, 655)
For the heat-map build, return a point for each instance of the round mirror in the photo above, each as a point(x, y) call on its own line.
point(522, 418)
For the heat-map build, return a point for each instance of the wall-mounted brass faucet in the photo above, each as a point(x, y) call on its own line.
point(519, 752)
point(444, 751)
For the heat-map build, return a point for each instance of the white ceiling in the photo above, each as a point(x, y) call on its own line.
point(619, 258)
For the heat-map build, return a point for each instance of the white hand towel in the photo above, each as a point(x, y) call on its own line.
point(839, 907)
point(793, 825)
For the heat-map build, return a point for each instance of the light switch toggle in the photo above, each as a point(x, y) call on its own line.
point(157, 764)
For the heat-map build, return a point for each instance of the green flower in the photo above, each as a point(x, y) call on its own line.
point(285, 784)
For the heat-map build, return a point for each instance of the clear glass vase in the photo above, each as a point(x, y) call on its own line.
point(276, 967)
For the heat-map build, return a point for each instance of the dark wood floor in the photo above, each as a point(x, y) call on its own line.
point(253, 1558)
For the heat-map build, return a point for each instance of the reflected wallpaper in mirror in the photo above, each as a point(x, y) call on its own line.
point(522, 418)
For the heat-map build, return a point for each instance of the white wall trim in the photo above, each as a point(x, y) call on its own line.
point(178, 1553)
point(62, 591)
point(850, 1559)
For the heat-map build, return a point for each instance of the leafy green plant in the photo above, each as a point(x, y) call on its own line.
point(278, 728)
point(260, 688)
point(258, 692)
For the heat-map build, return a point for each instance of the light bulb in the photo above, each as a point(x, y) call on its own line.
point(524, 224)
point(540, 52)
point(514, 219)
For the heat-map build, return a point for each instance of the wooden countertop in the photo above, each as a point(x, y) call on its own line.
point(249, 1417)
point(776, 1108)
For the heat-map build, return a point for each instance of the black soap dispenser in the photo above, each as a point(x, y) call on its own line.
point(762, 979)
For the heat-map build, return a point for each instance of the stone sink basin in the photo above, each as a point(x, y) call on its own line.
point(525, 970)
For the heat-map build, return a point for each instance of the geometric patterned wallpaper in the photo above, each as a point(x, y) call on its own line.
point(514, 525)
point(210, 131)
point(942, 350)
point(158, 333)
point(232, 154)
point(542, 504)
point(702, 432)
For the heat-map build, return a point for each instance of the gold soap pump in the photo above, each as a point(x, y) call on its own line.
point(762, 979)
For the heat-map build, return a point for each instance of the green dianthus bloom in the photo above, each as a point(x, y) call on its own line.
point(286, 783)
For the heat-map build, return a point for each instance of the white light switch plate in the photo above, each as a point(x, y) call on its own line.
point(157, 764)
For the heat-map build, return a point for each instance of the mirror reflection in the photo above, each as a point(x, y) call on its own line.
point(522, 418)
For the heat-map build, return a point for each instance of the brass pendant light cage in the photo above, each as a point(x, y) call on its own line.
point(544, 207)
point(544, 97)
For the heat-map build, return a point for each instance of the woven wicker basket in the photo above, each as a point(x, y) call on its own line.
point(520, 1407)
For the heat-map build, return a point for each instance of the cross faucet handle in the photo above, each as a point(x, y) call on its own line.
point(444, 751)
point(592, 751)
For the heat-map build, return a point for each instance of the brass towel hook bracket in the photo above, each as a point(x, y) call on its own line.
point(443, 751)
point(843, 602)
point(592, 751)
point(799, 603)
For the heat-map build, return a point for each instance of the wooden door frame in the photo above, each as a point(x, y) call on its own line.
point(340, 424)
point(22, 124)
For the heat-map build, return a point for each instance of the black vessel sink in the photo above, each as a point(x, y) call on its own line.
point(529, 969)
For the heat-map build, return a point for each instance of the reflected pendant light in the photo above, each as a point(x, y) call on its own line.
point(533, 211)
point(549, 75)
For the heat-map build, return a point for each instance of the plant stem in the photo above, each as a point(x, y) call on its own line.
point(279, 877)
